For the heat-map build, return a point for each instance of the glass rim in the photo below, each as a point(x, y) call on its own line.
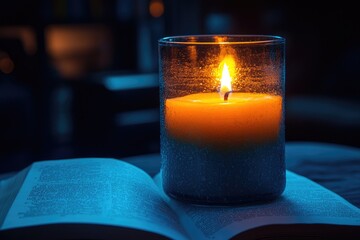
point(229, 39)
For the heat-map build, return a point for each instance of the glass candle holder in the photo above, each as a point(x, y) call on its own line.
point(222, 118)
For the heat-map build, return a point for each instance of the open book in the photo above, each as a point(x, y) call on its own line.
point(98, 198)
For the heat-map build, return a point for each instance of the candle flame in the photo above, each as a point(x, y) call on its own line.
point(225, 81)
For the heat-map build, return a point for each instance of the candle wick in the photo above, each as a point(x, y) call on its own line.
point(226, 95)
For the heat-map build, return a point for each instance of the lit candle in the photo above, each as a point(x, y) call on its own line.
point(222, 123)
point(207, 119)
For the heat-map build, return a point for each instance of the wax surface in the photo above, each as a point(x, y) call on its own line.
point(206, 119)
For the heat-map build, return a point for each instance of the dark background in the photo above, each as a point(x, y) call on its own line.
point(59, 59)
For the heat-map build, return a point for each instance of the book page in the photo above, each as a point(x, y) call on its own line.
point(303, 202)
point(92, 191)
point(9, 188)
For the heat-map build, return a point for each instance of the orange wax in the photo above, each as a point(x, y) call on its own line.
point(206, 119)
